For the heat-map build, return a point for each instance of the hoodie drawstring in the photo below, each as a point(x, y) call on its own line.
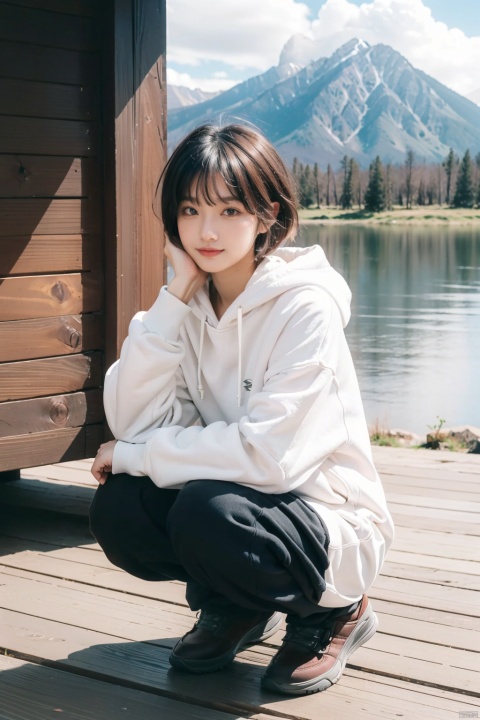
point(200, 387)
point(239, 369)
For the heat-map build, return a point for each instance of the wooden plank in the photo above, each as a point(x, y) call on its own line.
point(416, 458)
point(464, 492)
point(88, 8)
point(76, 472)
point(46, 337)
point(53, 376)
point(38, 136)
point(49, 100)
point(360, 684)
point(40, 27)
point(444, 482)
point(127, 617)
point(50, 254)
point(450, 599)
point(37, 296)
point(135, 159)
point(435, 470)
point(467, 567)
point(43, 176)
point(47, 64)
point(76, 697)
point(428, 616)
point(432, 501)
point(51, 446)
point(423, 521)
point(66, 498)
point(431, 575)
point(39, 415)
point(31, 216)
point(437, 544)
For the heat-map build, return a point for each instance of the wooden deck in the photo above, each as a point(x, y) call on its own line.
point(84, 641)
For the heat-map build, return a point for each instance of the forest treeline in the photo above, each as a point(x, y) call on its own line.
point(454, 182)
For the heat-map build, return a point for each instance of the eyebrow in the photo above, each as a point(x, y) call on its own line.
point(223, 198)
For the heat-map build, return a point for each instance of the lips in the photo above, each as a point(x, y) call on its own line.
point(209, 253)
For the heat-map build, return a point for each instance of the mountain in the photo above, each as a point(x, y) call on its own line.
point(362, 101)
point(179, 96)
point(475, 96)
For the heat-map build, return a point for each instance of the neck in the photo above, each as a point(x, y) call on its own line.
point(226, 286)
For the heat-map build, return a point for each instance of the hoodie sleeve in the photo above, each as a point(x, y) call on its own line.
point(136, 402)
point(290, 427)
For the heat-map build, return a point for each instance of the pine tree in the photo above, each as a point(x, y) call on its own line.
point(388, 187)
point(464, 191)
point(409, 164)
point(346, 198)
point(306, 185)
point(329, 175)
point(375, 193)
point(317, 184)
point(448, 166)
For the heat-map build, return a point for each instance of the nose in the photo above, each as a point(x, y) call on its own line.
point(208, 231)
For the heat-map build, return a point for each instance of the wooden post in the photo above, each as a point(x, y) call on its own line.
point(136, 105)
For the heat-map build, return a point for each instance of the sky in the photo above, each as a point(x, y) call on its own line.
point(215, 44)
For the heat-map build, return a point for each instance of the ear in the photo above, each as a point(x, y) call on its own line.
point(264, 227)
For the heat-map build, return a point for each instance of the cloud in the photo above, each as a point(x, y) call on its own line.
point(248, 36)
point(409, 27)
point(242, 33)
point(218, 83)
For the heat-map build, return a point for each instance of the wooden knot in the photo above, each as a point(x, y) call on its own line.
point(60, 291)
point(59, 412)
point(23, 172)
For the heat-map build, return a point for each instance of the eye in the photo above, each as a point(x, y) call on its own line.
point(188, 210)
point(231, 212)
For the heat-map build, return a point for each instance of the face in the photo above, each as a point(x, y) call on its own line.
point(219, 237)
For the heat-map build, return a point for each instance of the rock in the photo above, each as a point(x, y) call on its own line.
point(404, 437)
point(468, 434)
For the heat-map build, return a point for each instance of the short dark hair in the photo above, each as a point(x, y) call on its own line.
point(250, 166)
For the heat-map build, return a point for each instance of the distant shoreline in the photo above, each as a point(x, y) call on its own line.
point(427, 215)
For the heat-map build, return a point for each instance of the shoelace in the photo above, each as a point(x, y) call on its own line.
point(208, 620)
point(316, 639)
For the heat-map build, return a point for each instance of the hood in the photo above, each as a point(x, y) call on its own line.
point(282, 270)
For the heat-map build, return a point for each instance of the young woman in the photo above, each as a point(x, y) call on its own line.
point(242, 462)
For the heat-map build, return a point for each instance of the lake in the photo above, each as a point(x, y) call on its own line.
point(415, 328)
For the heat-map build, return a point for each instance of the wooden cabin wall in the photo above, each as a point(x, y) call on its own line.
point(51, 231)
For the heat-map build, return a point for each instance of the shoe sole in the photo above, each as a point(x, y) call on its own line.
point(260, 632)
point(366, 628)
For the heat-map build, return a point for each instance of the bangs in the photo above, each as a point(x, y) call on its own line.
point(199, 177)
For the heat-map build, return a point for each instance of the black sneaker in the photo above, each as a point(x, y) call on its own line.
point(218, 636)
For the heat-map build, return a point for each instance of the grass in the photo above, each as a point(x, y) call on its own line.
point(425, 215)
point(384, 439)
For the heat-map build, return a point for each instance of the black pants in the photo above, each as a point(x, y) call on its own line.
point(229, 543)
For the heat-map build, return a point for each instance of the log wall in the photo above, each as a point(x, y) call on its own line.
point(52, 242)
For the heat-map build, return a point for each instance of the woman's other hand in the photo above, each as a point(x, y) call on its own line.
point(189, 278)
point(102, 465)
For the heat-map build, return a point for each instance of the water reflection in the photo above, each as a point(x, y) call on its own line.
point(415, 327)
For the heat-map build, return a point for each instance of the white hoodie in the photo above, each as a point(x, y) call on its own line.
point(273, 394)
